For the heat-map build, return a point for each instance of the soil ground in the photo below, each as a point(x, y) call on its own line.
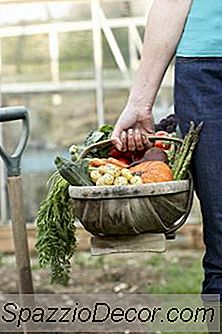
point(175, 271)
point(131, 273)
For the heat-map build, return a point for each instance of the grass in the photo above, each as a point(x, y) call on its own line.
point(1, 259)
point(85, 260)
point(176, 278)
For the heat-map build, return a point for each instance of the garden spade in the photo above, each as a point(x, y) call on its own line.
point(14, 184)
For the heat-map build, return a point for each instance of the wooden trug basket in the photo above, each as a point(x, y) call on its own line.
point(131, 210)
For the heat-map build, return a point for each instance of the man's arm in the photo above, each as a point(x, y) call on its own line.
point(163, 30)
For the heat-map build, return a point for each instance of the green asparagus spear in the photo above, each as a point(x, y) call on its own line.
point(181, 172)
point(184, 149)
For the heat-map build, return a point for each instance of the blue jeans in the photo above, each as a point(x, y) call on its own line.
point(198, 97)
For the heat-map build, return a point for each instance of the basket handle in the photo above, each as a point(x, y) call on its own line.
point(108, 142)
point(165, 138)
point(182, 221)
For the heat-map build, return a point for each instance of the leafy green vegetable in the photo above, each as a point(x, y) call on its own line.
point(107, 129)
point(56, 240)
point(93, 137)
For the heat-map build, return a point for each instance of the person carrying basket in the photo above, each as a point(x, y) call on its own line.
point(191, 31)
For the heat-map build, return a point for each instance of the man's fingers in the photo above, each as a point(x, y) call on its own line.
point(116, 138)
point(145, 139)
point(131, 140)
point(117, 142)
point(123, 138)
point(138, 140)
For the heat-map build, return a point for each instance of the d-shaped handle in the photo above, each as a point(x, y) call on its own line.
point(12, 114)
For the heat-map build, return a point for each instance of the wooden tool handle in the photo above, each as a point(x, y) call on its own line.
point(20, 235)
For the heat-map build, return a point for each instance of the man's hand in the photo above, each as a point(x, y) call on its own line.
point(132, 129)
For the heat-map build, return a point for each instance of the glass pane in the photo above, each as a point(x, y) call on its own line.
point(76, 55)
point(25, 58)
point(114, 101)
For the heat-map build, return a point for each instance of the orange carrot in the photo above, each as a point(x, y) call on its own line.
point(101, 162)
point(117, 162)
point(97, 162)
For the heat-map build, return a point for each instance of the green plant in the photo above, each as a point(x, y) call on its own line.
point(56, 240)
point(1, 258)
point(177, 280)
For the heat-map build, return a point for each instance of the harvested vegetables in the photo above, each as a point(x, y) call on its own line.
point(158, 171)
point(102, 162)
point(184, 153)
point(75, 173)
point(110, 174)
point(153, 171)
point(56, 240)
point(96, 162)
point(163, 145)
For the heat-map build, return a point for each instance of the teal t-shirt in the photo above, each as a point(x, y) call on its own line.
point(202, 36)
